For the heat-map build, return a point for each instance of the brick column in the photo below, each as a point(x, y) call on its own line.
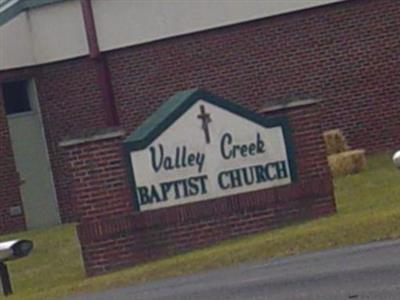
point(98, 180)
point(310, 154)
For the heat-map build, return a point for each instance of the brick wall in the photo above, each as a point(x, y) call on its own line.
point(346, 54)
point(110, 241)
point(9, 180)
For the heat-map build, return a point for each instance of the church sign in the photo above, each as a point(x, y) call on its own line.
point(197, 147)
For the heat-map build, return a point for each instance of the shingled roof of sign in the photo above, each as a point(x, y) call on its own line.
point(11, 8)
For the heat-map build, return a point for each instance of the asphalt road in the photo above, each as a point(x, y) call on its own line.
point(370, 271)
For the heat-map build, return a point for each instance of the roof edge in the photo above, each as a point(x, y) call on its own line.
point(164, 115)
point(9, 11)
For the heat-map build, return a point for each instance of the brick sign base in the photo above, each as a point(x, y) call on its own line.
point(113, 236)
point(114, 243)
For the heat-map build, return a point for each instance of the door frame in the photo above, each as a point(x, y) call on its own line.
point(36, 111)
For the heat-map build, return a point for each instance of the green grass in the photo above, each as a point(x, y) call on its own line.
point(368, 209)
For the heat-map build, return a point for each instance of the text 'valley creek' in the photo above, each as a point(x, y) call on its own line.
point(183, 160)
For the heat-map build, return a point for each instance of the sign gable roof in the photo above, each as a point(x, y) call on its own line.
point(177, 105)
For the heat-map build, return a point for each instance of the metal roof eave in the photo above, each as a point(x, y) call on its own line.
point(11, 8)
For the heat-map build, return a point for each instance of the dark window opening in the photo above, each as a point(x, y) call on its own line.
point(16, 98)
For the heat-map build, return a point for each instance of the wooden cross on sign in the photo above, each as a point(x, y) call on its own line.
point(206, 119)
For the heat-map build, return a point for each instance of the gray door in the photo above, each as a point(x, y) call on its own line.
point(33, 166)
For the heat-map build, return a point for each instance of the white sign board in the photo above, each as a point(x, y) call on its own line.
point(209, 151)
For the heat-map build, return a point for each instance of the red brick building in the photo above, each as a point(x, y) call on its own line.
point(78, 68)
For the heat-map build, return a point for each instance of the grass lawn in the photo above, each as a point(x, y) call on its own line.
point(368, 209)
